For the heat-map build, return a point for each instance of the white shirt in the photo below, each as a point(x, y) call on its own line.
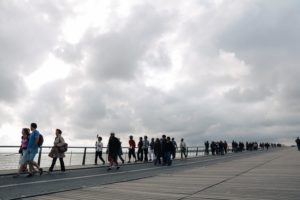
point(99, 146)
point(182, 145)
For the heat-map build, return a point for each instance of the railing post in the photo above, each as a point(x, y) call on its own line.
point(197, 152)
point(84, 154)
point(187, 152)
point(40, 155)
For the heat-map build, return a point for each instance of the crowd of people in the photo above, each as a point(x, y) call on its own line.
point(221, 147)
point(160, 151)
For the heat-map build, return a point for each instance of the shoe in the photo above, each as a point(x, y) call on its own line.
point(95, 164)
point(103, 163)
point(118, 167)
point(122, 161)
point(128, 161)
point(41, 171)
point(16, 176)
point(29, 175)
point(108, 169)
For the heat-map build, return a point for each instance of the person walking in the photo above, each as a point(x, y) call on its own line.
point(113, 150)
point(151, 152)
point(298, 143)
point(98, 153)
point(168, 150)
point(157, 152)
point(131, 151)
point(32, 149)
point(163, 149)
point(174, 148)
point(206, 148)
point(57, 152)
point(23, 151)
point(183, 149)
point(145, 148)
point(140, 150)
point(120, 151)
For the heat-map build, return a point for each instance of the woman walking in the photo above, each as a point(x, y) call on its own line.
point(23, 151)
point(57, 152)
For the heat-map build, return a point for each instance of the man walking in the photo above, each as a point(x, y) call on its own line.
point(145, 148)
point(99, 147)
point(33, 149)
point(113, 149)
point(298, 143)
point(131, 151)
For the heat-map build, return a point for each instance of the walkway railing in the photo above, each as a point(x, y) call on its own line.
point(75, 156)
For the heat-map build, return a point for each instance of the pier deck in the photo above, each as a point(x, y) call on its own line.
point(258, 175)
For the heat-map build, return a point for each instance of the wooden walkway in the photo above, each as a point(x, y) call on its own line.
point(273, 175)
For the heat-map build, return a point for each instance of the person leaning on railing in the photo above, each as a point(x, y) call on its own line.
point(57, 151)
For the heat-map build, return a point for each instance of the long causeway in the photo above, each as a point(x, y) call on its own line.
point(251, 175)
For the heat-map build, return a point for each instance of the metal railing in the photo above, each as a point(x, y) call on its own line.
point(80, 156)
point(9, 156)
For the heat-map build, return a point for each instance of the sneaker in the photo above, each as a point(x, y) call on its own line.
point(41, 171)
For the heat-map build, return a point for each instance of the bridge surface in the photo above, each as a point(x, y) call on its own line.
point(250, 175)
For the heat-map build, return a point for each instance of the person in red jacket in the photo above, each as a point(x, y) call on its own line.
point(131, 151)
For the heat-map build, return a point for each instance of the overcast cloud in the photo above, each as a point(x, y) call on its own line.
point(202, 70)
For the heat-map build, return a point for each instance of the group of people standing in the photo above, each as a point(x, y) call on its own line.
point(31, 141)
point(160, 150)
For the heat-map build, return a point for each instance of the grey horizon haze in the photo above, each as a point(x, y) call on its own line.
point(202, 70)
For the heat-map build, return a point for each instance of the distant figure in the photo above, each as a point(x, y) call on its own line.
point(131, 151)
point(151, 153)
point(168, 150)
point(221, 148)
point(33, 149)
point(113, 150)
point(183, 149)
point(174, 148)
point(163, 149)
point(145, 148)
point(213, 147)
point(267, 145)
point(140, 150)
point(56, 152)
point(23, 151)
point(157, 152)
point(225, 147)
point(99, 148)
point(120, 152)
point(206, 144)
point(298, 143)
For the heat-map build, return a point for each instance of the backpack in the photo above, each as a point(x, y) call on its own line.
point(41, 140)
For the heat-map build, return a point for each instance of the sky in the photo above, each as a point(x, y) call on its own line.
point(201, 70)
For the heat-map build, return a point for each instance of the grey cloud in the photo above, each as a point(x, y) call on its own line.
point(26, 38)
point(117, 54)
point(247, 95)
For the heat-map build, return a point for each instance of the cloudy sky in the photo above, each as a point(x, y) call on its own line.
point(209, 69)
